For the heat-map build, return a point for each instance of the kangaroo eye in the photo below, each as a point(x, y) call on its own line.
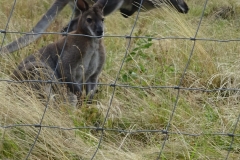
point(89, 20)
point(103, 19)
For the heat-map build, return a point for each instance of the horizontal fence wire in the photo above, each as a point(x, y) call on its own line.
point(102, 129)
point(122, 36)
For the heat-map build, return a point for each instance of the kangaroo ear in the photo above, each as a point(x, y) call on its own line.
point(82, 5)
point(101, 4)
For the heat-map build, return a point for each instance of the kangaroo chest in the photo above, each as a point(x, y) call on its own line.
point(88, 64)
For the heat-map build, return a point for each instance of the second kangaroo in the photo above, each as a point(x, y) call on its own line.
point(82, 57)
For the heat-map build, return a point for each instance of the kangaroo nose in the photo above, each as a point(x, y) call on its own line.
point(99, 32)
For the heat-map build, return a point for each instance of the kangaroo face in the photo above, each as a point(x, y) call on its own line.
point(92, 22)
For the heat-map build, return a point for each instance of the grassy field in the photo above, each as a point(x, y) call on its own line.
point(150, 62)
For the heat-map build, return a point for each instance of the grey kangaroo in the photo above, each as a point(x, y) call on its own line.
point(82, 57)
point(126, 7)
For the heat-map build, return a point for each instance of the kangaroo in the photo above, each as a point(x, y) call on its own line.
point(82, 58)
point(126, 7)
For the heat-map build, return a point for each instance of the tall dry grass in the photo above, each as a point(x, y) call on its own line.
point(149, 63)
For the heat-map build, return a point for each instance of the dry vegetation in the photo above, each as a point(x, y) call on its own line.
point(149, 63)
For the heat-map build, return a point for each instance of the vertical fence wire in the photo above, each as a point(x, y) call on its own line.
point(181, 80)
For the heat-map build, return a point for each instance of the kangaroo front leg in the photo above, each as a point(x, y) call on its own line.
point(91, 87)
point(76, 90)
point(72, 84)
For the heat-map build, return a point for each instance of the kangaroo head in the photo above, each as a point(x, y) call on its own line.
point(91, 19)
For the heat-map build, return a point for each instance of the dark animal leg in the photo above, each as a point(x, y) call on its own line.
point(126, 13)
point(135, 6)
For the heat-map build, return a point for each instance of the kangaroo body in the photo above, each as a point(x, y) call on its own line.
point(80, 60)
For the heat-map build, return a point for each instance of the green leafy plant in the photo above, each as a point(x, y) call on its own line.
point(136, 58)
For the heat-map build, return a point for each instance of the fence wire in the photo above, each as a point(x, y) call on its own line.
point(166, 131)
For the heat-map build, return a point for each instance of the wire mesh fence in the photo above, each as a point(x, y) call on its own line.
point(102, 129)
